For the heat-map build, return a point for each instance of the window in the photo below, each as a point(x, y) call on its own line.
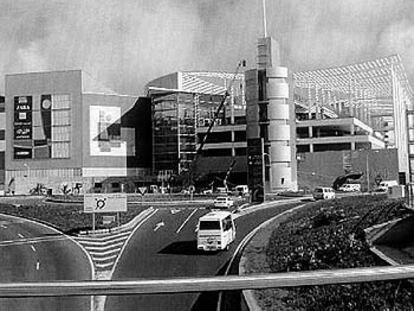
point(209, 225)
point(227, 223)
point(98, 185)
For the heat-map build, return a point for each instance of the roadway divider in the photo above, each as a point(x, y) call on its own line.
point(129, 225)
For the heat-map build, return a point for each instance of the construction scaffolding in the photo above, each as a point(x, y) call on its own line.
point(376, 92)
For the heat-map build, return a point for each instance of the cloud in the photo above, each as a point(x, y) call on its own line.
point(124, 44)
point(398, 38)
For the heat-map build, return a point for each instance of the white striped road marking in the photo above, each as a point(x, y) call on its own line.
point(97, 254)
point(186, 220)
point(104, 248)
point(20, 235)
point(105, 258)
point(33, 248)
point(102, 238)
point(38, 265)
point(102, 243)
point(104, 265)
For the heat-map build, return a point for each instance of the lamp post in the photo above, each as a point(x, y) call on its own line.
point(265, 154)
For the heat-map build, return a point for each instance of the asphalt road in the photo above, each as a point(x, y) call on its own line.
point(165, 246)
point(32, 252)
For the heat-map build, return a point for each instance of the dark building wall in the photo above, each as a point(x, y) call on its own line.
point(210, 167)
point(139, 118)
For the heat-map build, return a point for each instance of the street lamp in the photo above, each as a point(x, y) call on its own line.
point(265, 154)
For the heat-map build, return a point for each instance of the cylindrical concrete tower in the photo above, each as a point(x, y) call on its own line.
point(279, 128)
point(270, 116)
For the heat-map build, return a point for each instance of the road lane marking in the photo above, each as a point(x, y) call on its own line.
point(186, 220)
point(4, 226)
point(175, 211)
point(20, 235)
point(31, 241)
point(158, 226)
point(33, 248)
point(37, 265)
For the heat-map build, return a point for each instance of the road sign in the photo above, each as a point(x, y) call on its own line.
point(142, 190)
point(104, 202)
point(191, 188)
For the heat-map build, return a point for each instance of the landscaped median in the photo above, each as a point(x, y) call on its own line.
point(66, 214)
point(326, 235)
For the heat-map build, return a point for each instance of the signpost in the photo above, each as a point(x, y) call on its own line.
point(142, 191)
point(104, 203)
point(191, 189)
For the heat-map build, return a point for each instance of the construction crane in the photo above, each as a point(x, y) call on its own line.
point(194, 162)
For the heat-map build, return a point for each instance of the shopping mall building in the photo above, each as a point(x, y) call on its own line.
point(64, 128)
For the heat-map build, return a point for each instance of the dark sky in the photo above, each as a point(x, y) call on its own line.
point(124, 44)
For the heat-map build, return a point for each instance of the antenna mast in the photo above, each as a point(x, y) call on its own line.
point(264, 18)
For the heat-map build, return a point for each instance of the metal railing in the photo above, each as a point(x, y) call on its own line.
point(201, 284)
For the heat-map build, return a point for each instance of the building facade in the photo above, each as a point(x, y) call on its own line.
point(184, 105)
point(61, 129)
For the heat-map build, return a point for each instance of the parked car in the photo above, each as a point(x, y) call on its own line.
point(223, 202)
point(323, 193)
point(350, 187)
point(384, 185)
point(207, 191)
point(241, 190)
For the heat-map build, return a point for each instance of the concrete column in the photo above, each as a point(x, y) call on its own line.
point(310, 130)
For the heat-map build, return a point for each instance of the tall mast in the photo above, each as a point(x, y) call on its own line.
point(264, 18)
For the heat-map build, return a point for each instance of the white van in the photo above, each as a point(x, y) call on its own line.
point(215, 231)
point(223, 202)
point(350, 187)
point(323, 193)
point(384, 185)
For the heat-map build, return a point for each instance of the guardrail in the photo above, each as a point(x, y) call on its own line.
point(201, 284)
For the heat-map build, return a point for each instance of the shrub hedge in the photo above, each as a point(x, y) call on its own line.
point(327, 235)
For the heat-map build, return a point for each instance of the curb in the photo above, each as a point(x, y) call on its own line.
point(248, 295)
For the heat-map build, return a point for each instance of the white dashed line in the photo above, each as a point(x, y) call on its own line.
point(20, 235)
point(186, 220)
point(33, 248)
point(38, 265)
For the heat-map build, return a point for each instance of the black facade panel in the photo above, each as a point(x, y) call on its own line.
point(139, 118)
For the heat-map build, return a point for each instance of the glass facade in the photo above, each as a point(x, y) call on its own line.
point(174, 140)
